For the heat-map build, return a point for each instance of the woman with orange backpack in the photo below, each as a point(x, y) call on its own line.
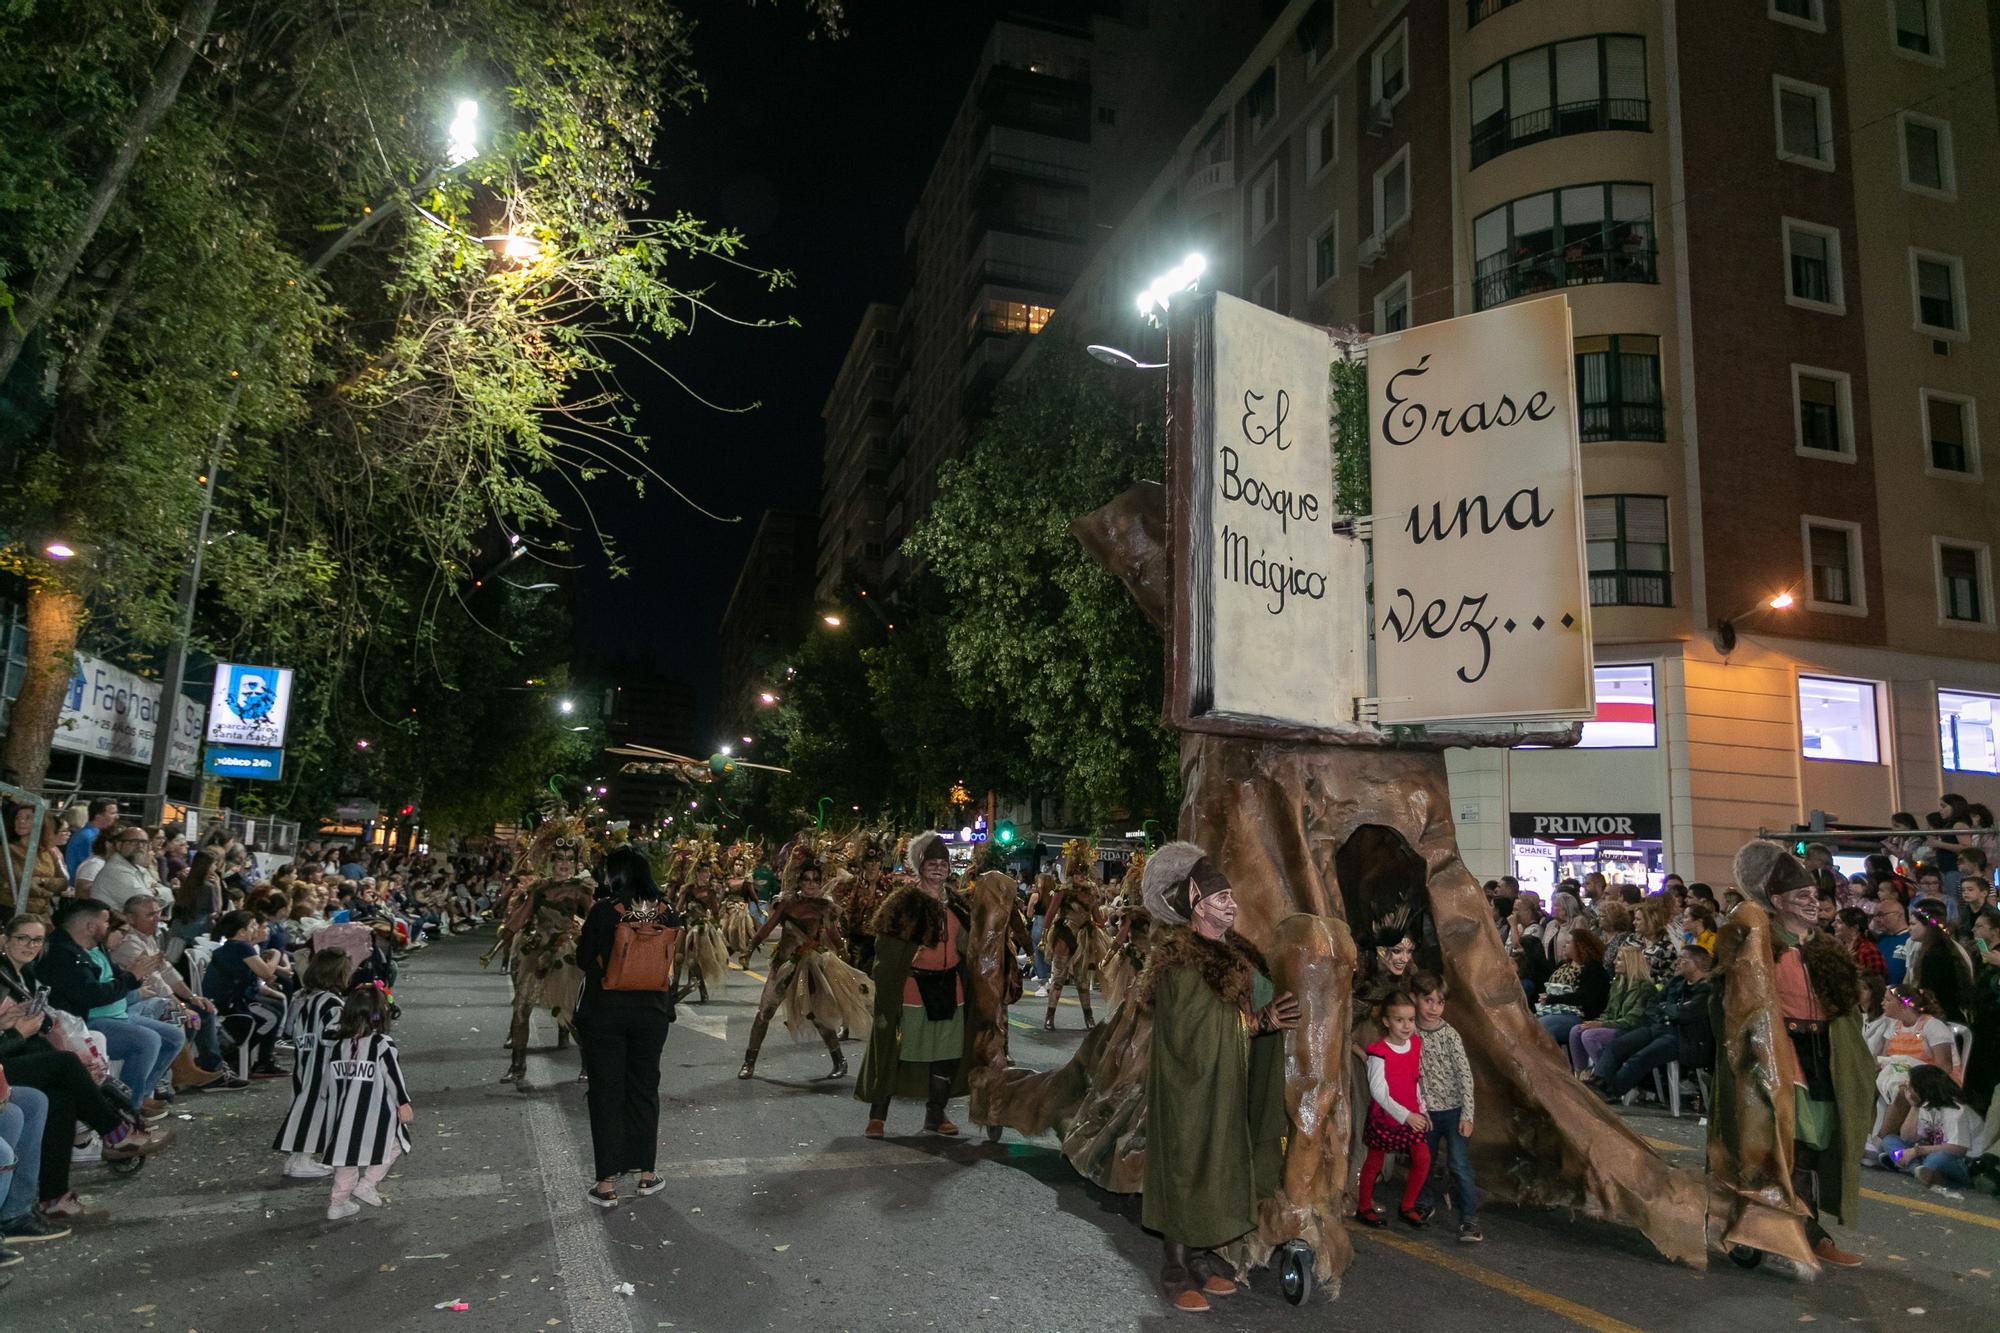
point(626, 954)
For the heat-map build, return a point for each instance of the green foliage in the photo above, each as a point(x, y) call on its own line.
point(1041, 636)
point(291, 270)
point(1348, 381)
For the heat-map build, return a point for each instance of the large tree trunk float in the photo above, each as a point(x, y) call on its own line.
point(1323, 843)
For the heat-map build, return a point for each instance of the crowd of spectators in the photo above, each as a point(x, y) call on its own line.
point(139, 971)
point(1619, 979)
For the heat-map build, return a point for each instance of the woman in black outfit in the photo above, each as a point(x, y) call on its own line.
point(621, 1033)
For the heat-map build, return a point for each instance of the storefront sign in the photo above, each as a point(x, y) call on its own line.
point(1584, 827)
point(249, 705)
point(1481, 607)
point(110, 713)
point(1270, 608)
point(243, 761)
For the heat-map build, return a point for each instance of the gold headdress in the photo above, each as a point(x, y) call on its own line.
point(1080, 859)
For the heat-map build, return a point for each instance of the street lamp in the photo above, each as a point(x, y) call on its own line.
point(462, 135)
point(565, 706)
point(1724, 634)
point(59, 551)
point(1121, 359)
point(833, 621)
point(767, 698)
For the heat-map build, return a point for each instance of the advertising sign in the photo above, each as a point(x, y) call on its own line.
point(110, 713)
point(243, 761)
point(249, 705)
point(1271, 610)
point(1482, 607)
point(1583, 826)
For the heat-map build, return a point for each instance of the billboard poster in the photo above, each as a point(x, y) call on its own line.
point(249, 705)
point(109, 713)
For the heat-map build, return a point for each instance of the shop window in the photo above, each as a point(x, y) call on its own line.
point(1837, 720)
point(1969, 731)
point(1625, 717)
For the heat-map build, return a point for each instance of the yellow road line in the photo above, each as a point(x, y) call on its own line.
point(1577, 1314)
point(1914, 1205)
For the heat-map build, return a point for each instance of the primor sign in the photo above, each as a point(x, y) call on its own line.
point(1481, 606)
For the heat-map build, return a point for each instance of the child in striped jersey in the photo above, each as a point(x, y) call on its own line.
point(368, 1112)
point(315, 1015)
point(1446, 1078)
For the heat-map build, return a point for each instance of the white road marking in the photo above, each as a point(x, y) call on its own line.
point(708, 1025)
point(581, 1251)
point(886, 1154)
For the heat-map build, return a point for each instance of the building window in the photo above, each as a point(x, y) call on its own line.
point(1937, 285)
point(1822, 413)
point(1812, 267)
point(1392, 194)
point(1625, 710)
point(1262, 101)
point(1266, 291)
point(1323, 255)
point(1264, 200)
point(1833, 566)
point(1595, 83)
point(1389, 67)
point(1107, 115)
point(1965, 595)
point(1322, 141)
point(1969, 731)
point(1837, 720)
point(1807, 14)
point(1805, 122)
point(998, 318)
point(1951, 434)
point(1918, 29)
point(1565, 238)
point(1625, 537)
point(1475, 10)
point(1925, 149)
point(1315, 34)
point(1392, 306)
point(1618, 388)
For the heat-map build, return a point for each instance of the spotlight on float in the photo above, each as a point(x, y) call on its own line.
point(1159, 293)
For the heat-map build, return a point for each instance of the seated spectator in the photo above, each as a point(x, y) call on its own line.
point(1929, 887)
point(1615, 919)
point(46, 879)
point(165, 996)
point(198, 898)
point(1653, 928)
point(1698, 924)
point(1632, 992)
point(82, 980)
point(1892, 938)
point(1939, 963)
point(1850, 927)
point(1914, 1036)
point(1526, 936)
point(126, 870)
point(31, 1057)
point(24, 1117)
point(1676, 1027)
point(1932, 1130)
point(102, 813)
point(1577, 989)
point(1703, 893)
point(309, 913)
point(1829, 908)
point(242, 980)
point(1975, 895)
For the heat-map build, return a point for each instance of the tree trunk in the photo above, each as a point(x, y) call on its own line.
point(160, 95)
point(55, 615)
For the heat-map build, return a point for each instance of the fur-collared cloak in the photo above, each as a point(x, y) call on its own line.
point(908, 920)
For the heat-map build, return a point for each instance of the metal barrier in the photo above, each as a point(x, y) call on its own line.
point(22, 796)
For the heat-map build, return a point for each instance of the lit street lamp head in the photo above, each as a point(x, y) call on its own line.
point(462, 135)
point(832, 621)
point(59, 551)
point(1121, 359)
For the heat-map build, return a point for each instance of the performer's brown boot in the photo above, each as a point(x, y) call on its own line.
point(749, 1063)
point(839, 1058)
point(1089, 1021)
point(1049, 1021)
point(1178, 1281)
point(934, 1117)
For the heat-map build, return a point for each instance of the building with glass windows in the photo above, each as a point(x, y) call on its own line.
point(1773, 222)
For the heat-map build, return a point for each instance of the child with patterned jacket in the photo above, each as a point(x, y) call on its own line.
point(1445, 1076)
point(367, 1125)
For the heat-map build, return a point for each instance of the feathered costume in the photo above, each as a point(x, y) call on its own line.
point(817, 989)
point(1071, 934)
point(539, 924)
point(1134, 923)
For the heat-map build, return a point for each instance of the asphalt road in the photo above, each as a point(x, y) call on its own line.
point(779, 1215)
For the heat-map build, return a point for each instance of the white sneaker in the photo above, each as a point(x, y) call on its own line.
point(91, 1150)
point(366, 1193)
point(1042, 991)
point(337, 1212)
point(301, 1166)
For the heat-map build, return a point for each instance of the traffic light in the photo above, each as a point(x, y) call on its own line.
point(1003, 834)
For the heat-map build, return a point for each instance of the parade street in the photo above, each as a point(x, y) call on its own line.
point(779, 1215)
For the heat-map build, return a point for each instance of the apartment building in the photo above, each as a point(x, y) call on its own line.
point(1063, 124)
point(1772, 219)
point(856, 463)
point(766, 615)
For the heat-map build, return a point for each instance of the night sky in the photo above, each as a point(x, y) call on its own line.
point(816, 151)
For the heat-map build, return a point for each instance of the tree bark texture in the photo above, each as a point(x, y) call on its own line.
point(55, 617)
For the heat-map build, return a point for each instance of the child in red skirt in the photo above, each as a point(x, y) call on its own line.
point(1396, 1120)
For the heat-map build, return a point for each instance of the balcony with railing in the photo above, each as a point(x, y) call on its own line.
point(1597, 422)
point(1476, 10)
point(1496, 134)
point(1213, 178)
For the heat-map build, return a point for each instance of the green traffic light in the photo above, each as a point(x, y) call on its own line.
point(1004, 835)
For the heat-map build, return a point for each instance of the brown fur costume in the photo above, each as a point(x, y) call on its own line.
point(1225, 965)
point(911, 914)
